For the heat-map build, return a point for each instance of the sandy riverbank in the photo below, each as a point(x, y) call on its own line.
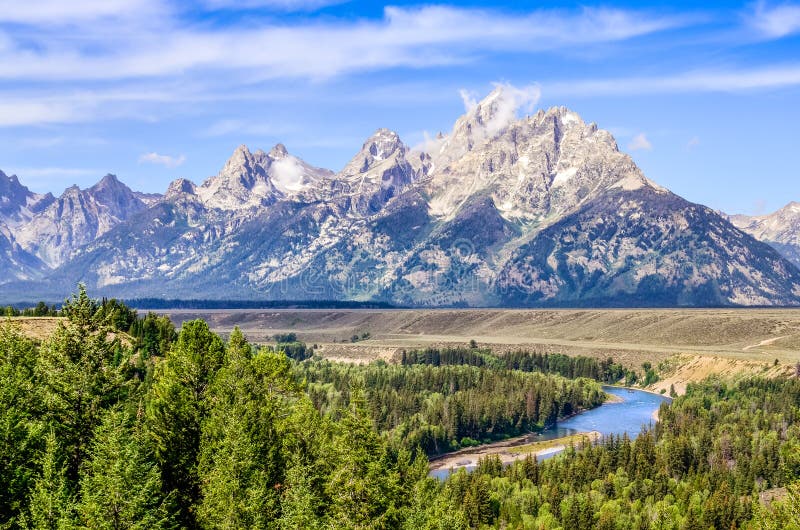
point(509, 450)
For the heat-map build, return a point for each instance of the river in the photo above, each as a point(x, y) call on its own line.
point(629, 415)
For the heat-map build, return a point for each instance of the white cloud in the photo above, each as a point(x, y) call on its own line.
point(640, 143)
point(62, 12)
point(776, 22)
point(29, 112)
point(107, 60)
point(162, 160)
point(707, 81)
point(509, 101)
point(36, 172)
point(288, 174)
point(693, 142)
point(469, 99)
point(278, 5)
point(498, 109)
point(410, 37)
point(38, 106)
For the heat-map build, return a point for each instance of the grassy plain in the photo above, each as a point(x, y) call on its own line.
point(38, 328)
point(688, 344)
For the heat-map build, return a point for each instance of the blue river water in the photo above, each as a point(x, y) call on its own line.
point(633, 413)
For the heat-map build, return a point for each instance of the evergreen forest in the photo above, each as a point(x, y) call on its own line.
point(123, 421)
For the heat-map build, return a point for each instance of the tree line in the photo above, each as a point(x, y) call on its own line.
point(605, 370)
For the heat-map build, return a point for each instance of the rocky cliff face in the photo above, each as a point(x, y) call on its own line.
point(76, 218)
point(542, 210)
point(780, 229)
point(17, 203)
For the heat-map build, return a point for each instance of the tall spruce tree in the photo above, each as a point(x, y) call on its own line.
point(81, 375)
point(241, 458)
point(20, 421)
point(176, 406)
point(120, 487)
point(364, 486)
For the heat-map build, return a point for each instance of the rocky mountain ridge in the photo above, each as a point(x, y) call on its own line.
point(540, 210)
point(780, 229)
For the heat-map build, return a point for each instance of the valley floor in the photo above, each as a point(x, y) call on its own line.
point(689, 344)
point(686, 344)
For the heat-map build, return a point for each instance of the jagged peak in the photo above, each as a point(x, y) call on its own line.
point(108, 182)
point(564, 115)
point(242, 150)
point(11, 181)
point(793, 208)
point(278, 152)
point(241, 158)
point(383, 143)
point(9, 178)
point(180, 186)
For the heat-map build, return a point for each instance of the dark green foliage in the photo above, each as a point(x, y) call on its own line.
point(441, 408)
point(50, 504)
point(120, 485)
point(549, 363)
point(176, 408)
point(154, 335)
point(41, 309)
point(116, 315)
point(294, 350)
point(285, 337)
point(228, 436)
point(241, 459)
point(702, 467)
point(80, 374)
point(20, 429)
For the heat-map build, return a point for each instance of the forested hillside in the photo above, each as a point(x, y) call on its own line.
point(118, 421)
point(443, 408)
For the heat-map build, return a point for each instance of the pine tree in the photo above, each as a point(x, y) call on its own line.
point(20, 425)
point(241, 459)
point(120, 487)
point(362, 488)
point(300, 505)
point(176, 407)
point(79, 377)
point(50, 505)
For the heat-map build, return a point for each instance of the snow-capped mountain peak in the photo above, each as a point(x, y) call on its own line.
point(378, 172)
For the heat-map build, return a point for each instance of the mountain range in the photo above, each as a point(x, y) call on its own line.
point(541, 210)
point(780, 229)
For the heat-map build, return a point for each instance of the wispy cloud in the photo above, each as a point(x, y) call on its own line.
point(409, 37)
point(693, 142)
point(277, 5)
point(162, 160)
point(29, 112)
point(640, 143)
point(743, 79)
point(775, 21)
point(240, 128)
point(60, 12)
point(469, 98)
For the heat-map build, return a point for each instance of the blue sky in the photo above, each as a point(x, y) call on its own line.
point(706, 100)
